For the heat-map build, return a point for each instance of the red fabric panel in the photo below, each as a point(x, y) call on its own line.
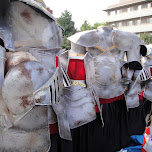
point(76, 69)
point(143, 150)
point(53, 128)
point(96, 109)
point(144, 141)
point(140, 97)
point(147, 131)
point(105, 101)
point(56, 61)
point(142, 93)
point(151, 71)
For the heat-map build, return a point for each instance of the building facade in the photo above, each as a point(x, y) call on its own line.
point(131, 15)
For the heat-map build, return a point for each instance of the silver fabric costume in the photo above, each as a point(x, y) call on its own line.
point(147, 64)
point(108, 48)
point(77, 102)
point(30, 83)
point(107, 76)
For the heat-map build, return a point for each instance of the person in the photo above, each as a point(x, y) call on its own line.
point(147, 63)
point(93, 136)
point(27, 72)
point(107, 48)
point(78, 102)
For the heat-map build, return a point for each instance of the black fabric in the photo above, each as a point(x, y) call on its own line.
point(135, 65)
point(87, 138)
point(4, 5)
point(1, 42)
point(136, 120)
point(92, 137)
point(116, 125)
point(143, 50)
point(60, 145)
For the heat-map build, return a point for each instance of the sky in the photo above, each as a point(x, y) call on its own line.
point(81, 10)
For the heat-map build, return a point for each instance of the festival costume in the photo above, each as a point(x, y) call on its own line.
point(111, 96)
point(30, 82)
point(81, 107)
point(136, 119)
point(38, 98)
point(135, 110)
point(78, 101)
point(147, 63)
point(112, 78)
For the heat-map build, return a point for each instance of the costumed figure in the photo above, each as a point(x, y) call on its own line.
point(30, 83)
point(147, 64)
point(107, 48)
point(78, 100)
point(134, 74)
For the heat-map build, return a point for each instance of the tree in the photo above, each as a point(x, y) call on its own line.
point(66, 22)
point(147, 38)
point(96, 25)
point(85, 26)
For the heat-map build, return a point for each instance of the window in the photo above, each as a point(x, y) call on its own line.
point(115, 11)
point(136, 22)
point(149, 20)
point(117, 24)
point(143, 20)
point(143, 6)
point(134, 8)
point(130, 23)
point(127, 23)
point(109, 13)
point(124, 23)
point(123, 10)
point(151, 5)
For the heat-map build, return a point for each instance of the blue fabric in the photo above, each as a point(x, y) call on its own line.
point(136, 143)
point(138, 139)
point(133, 148)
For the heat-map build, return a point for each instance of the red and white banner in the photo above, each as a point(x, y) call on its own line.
point(147, 143)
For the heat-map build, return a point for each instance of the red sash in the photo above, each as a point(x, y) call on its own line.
point(76, 69)
point(105, 101)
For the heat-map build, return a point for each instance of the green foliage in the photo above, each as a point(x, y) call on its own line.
point(86, 25)
point(147, 38)
point(66, 43)
point(99, 24)
point(66, 22)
